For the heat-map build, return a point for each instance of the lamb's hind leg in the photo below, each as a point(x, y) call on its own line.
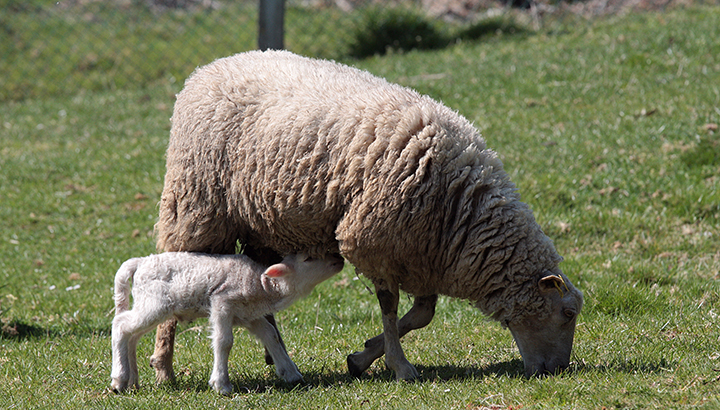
point(419, 316)
point(121, 372)
point(127, 329)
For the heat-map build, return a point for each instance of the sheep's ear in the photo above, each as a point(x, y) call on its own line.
point(277, 270)
point(550, 282)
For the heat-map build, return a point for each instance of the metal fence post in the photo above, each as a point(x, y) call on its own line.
point(270, 24)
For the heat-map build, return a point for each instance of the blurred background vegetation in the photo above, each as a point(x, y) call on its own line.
point(61, 47)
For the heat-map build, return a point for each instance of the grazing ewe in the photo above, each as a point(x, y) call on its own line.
point(291, 154)
point(231, 289)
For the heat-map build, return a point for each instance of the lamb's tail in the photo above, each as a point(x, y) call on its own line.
point(122, 284)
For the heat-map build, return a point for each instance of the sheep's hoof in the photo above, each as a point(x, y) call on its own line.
point(163, 371)
point(406, 372)
point(295, 379)
point(355, 368)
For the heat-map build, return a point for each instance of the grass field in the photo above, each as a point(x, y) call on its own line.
point(609, 129)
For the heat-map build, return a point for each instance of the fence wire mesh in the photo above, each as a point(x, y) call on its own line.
point(62, 47)
point(50, 48)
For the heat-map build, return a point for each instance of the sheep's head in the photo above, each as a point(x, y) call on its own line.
point(545, 339)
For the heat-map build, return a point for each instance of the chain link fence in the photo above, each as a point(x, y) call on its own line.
point(62, 47)
point(50, 48)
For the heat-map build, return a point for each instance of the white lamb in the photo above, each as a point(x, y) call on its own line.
point(232, 290)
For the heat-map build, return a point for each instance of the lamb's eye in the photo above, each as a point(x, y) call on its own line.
point(308, 259)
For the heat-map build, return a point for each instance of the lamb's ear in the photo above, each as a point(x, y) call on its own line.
point(277, 270)
point(553, 282)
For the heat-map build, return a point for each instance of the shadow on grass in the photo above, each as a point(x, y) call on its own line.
point(21, 331)
point(513, 369)
point(635, 365)
point(198, 382)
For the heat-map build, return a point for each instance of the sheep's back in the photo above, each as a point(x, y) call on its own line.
point(290, 143)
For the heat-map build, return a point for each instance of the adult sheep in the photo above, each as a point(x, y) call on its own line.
point(293, 154)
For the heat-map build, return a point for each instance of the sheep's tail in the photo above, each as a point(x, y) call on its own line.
point(122, 284)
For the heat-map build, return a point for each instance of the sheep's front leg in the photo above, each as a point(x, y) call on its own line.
point(162, 358)
point(388, 295)
point(222, 338)
point(418, 317)
point(268, 357)
point(264, 256)
point(268, 334)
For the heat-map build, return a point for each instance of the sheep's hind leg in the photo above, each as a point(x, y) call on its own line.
point(162, 358)
point(418, 317)
point(388, 295)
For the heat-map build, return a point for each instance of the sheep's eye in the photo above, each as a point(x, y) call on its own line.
point(308, 259)
point(569, 313)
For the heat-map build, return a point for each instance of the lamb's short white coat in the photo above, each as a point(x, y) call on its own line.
point(232, 290)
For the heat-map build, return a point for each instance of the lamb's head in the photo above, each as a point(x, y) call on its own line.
point(545, 337)
point(302, 272)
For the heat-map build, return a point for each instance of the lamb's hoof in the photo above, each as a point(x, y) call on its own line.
point(118, 386)
point(225, 389)
point(290, 374)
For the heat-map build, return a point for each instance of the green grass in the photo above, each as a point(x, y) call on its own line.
point(59, 48)
point(601, 124)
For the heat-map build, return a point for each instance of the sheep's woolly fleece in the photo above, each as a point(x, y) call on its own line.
point(296, 154)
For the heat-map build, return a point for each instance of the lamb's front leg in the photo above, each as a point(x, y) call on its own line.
point(222, 338)
point(388, 295)
point(285, 368)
